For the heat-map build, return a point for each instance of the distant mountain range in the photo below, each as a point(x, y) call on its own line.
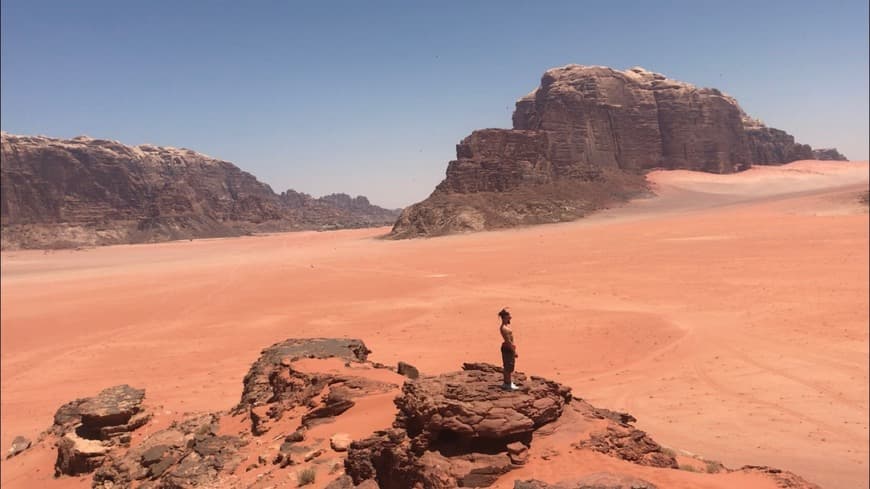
point(61, 193)
point(580, 142)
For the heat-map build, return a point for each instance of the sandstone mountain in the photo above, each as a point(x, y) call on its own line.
point(83, 191)
point(582, 140)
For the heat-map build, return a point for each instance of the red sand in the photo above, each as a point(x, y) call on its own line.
point(729, 315)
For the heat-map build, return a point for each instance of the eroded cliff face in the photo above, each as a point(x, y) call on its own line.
point(84, 191)
point(581, 141)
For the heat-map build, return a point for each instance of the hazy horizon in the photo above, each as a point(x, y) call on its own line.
point(371, 99)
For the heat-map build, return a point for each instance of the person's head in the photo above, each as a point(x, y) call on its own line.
point(505, 316)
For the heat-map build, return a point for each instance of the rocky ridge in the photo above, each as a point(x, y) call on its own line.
point(581, 141)
point(457, 429)
point(63, 193)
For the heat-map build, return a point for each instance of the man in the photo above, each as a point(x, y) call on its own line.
point(508, 349)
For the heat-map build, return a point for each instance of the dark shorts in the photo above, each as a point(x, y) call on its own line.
point(508, 359)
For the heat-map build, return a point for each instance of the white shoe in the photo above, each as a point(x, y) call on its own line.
point(509, 387)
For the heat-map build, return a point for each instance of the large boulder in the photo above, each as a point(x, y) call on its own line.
point(90, 428)
point(457, 429)
point(470, 406)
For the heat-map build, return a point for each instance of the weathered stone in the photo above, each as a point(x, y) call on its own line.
point(457, 429)
point(111, 407)
point(340, 442)
point(630, 444)
point(154, 454)
point(783, 478)
point(470, 406)
point(110, 415)
point(160, 467)
point(408, 370)
point(296, 436)
point(598, 480)
point(77, 455)
point(269, 378)
point(343, 482)
point(334, 405)
point(518, 453)
point(313, 454)
point(19, 444)
point(188, 453)
point(272, 386)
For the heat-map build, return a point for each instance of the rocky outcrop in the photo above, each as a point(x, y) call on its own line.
point(257, 385)
point(19, 444)
point(598, 480)
point(273, 386)
point(457, 429)
point(187, 454)
point(84, 191)
point(770, 146)
point(578, 144)
point(90, 427)
point(783, 478)
point(621, 440)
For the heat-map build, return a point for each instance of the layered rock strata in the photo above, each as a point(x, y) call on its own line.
point(458, 429)
point(273, 386)
point(83, 191)
point(579, 142)
point(90, 428)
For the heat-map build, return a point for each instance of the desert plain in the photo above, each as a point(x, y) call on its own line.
point(727, 313)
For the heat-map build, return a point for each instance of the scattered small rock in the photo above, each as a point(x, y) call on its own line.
point(296, 436)
point(408, 370)
point(314, 454)
point(343, 482)
point(518, 453)
point(19, 444)
point(340, 442)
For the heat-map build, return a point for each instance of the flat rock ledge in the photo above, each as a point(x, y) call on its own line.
point(598, 480)
point(90, 427)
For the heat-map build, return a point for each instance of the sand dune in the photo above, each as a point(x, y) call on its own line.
point(729, 314)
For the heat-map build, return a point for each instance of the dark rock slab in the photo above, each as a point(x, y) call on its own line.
point(408, 370)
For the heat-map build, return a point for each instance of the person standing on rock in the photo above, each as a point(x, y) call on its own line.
point(508, 349)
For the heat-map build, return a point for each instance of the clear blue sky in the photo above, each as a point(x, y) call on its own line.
point(371, 97)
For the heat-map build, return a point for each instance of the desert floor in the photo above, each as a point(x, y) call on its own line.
point(729, 314)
